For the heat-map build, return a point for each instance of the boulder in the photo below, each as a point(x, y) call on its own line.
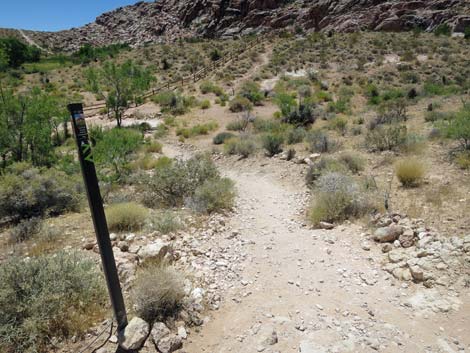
point(159, 331)
point(388, 234)
point(169, 344)
point(155, 250)
point(134, 335)
point(407, 239)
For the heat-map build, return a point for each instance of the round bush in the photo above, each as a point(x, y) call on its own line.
point(409, 172)
point(126, 216)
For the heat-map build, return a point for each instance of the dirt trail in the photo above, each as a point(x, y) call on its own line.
point(317, 289)
point(32, 42)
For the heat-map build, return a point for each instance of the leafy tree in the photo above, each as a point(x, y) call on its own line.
point(115, 148)
point(26, 124)
point(18, 53)
point(3, 60)
point(118, 84)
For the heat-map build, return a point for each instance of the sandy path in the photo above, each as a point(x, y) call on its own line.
point(318, 290)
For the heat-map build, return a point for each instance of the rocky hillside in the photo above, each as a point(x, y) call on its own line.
point(164, 20)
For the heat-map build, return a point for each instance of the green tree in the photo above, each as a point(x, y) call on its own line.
point(115, 148)
point(26, 123)
point(3, 59)
point(119, 84)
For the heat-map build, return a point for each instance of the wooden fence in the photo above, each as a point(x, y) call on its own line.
point(194, 77)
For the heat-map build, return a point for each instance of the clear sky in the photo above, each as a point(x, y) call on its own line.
point(53, 15)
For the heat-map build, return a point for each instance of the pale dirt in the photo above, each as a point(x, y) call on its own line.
point(316, 288)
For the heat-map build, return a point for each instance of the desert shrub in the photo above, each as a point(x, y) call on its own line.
point(157, 292)
point(160, 131)
point(467, 32)
point(154, 147)
point(339, 124)
point(213, 196)
point(337, 198)
point(251, 91)
point(319, 141)
point(220, 138)
point(174, 102)
point(48, 296)
point(242, 146)
point(165, 222)
point(389, 113)
point(95, 134)
point(205, 104)
point(323, 166)
point(353, 161)
point(295, 135)
point(237, 125)
point(269, 125)
point(126, 216)
point(25, 230)
point(162, 162)
point(30, 192)
point(439, 89)
point(409, 172)
point(196, 130)
point(458, 127)
point(414, 143)
point(301, 115)
point(272, 143)
point(146, 162)
point(176, 181)
point(210, 87)
point(443, 30)
point(386, 138)
point(356, 130)
point(463, 159)
point(239, 104)
point(433, 116)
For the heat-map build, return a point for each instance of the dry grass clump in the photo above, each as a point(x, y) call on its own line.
point(337, 198)
point(410, 172)
point(154, 147)
point(158, 292)
point(126, 216)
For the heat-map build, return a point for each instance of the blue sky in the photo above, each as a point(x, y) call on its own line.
point(53, 15)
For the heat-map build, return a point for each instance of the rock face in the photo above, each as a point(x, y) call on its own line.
point(164, 20)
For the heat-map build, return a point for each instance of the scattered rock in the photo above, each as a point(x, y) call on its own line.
point(169, 344)
point(135, 334)
point(388, 234)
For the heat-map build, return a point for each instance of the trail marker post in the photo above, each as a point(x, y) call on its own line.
point(97, 213)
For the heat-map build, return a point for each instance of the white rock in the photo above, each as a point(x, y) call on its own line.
point(155, 250)
point(135, 334)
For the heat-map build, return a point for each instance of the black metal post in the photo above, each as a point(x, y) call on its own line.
point(97, 213)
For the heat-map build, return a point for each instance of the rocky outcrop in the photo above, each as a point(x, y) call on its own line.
point(167, 20)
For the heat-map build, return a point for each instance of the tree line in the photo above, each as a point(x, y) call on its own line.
point(14, 53)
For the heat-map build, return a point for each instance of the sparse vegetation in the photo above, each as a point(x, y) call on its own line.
point(48, 296)
point(243, 146)
point(338, 198)
point(221, 137)
point(272, 143)
point(158, 292)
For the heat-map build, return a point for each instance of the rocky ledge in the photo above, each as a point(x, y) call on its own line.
point(168, 20)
